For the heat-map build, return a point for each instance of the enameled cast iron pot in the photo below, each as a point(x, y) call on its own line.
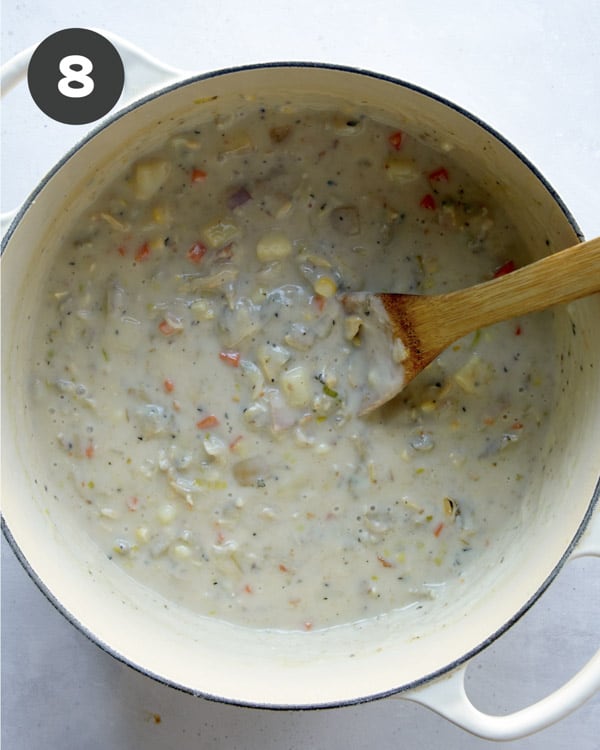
point(419, 656)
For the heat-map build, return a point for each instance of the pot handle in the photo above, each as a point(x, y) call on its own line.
point(144, 74)
point(447, 696)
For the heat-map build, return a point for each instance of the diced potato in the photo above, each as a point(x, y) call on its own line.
point(215, 447)
point(149, 176)
point(273, 246)
point(323, 404)
point(295, 386)
point(166, 513)
point(219, 233)
point(401, 169)
point(235, 143)
point(473, 374)
point(240, 322)
point(282, 413)
point(181, 551)
point(271, 358)
point(256, 415)
point(254, 377)
point(300, 337)
point(203, 309)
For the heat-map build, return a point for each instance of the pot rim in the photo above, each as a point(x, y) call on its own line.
point(367, 74)
point(445, 670)
point(309, 65)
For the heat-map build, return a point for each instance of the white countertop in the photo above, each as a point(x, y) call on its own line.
point(529, 69)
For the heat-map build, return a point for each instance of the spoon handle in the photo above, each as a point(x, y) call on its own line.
point(561, 277)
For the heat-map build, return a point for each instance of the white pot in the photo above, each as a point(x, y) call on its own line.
point(422, 657)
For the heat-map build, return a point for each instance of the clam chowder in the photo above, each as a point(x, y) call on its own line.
point(196, 379)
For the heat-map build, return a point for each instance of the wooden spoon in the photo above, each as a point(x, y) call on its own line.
point(417, 328)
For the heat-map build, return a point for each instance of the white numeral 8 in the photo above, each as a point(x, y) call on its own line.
point(80, 76)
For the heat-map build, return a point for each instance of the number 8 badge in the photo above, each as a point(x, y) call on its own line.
point(75, 76)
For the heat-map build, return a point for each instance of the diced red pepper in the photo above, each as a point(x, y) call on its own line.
point(167, 329)
point(428, 202)
point(505, 268)
point(198, 175)
point(143, 252)
point(121, 251)
point(395, 140)
point(319, 301)
point(230, 358)
point(207, 422)
point(439, 175)
point(169, 385)
point(518, 330)
point(384, 562)
point(196, 252)
point(133, 503)
point(235, 442)
point(89, 451)
point(438, 529)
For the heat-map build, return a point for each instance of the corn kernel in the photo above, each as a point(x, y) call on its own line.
point(160, 215)
point(325, 286)
point(142, 534)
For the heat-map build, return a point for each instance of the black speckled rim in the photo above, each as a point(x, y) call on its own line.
point(475, 650)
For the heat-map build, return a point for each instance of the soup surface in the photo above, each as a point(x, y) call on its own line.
point(196, 380)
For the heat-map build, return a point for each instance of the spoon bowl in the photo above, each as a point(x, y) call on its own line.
point(408, 331)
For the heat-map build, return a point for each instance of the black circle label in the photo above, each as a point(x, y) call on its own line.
point(75, 76)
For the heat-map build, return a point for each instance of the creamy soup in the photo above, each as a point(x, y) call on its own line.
point(196, 379)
